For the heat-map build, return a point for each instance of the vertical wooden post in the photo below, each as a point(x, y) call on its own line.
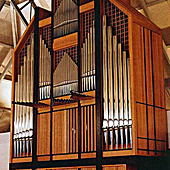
point(52, 66)
point(35, 84)
point(79, 83)
point(98, 63)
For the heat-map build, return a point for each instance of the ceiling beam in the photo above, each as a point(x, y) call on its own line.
point(145, 8)
point(7, 77)
point(5, 108)
point(165, 52)
point(2, 2)
point(6, 45)
point(151, 4)
point(167, 83)
point(8, 65)
point(33, 3)
point(23, 19)
point(147, 13)
point(44, 4)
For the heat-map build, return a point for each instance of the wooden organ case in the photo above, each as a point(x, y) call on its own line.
point(88, 89)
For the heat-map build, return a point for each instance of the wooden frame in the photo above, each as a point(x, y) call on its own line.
point(146, 94)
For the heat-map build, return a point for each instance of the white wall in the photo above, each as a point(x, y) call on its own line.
point(4, 150)
point(5, 95)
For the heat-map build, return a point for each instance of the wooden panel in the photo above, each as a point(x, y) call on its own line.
point(59, 132)
point(88, 128)
point(88, 155)
point(161, 146)
point(142, 144)
point(20, 160)
point(151, 122)
point(45, 22)
point(118, 153)
point(148, 67)
point(43, 134)
point(65, 168)
point(66, 41)
point(65, 106)
point(161, 124)
point(141, 121)
point(158, 70)
point(114, 167)
point(43, 158)
point(151, 146)
point(138, 63)
point(43, 13)
point(65, 157)
point(142, 152)
point(87, 7)
point(89, 168)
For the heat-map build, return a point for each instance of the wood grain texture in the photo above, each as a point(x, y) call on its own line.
point(161, 128)
point(21, 160)
point(87, 7)
point(158, 71)
point(151, 122)
point(65, 157)
point(138, 63)
point(148, 67)
point(43, 158)
point(66, 41)
point(59, 132)
point(88, 168)
point(43, 134)
point(44, 22)
point(114, 167)
point(88, 155)
point(117, 153)
point(141, 121)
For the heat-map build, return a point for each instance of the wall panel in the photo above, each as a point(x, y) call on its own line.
point(43, 134)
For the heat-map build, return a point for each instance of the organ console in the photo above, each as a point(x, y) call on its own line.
point(88, 106)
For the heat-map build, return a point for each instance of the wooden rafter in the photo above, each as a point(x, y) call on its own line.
point(147, 13)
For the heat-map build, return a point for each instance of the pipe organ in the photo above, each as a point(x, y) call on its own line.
point(23, 120)
point(65, 18)
point(117, 122)
point(44, 70)
point(88, 90)
point(88, 61)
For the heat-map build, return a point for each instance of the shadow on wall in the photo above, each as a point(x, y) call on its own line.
point(5, 118)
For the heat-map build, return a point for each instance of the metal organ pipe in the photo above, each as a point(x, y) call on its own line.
point(23, 129)
point(88, 61)
point(66, 18)
point(44, 70)
point(117, 123)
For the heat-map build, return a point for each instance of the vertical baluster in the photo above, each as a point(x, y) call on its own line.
point(15, 120)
